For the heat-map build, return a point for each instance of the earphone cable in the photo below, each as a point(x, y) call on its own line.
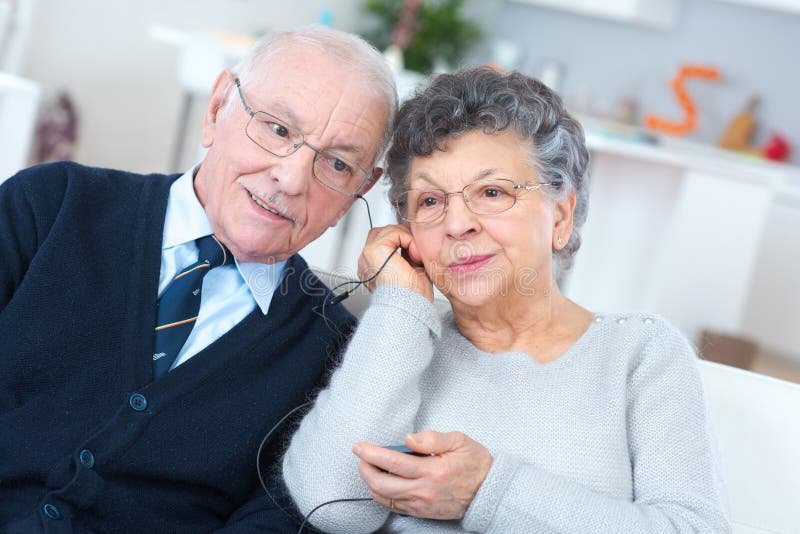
point(369, 215)
point(303, 524)
point(261, 449)
point(319, 310)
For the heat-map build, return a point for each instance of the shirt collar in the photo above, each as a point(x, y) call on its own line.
point(186, 221)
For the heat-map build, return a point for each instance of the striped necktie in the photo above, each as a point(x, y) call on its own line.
point(180, 303)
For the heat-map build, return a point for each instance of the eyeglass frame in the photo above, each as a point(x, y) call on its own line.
point(296, 146)
point(529, 185)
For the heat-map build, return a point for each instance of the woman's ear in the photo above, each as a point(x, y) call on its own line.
point(563, 211)
point(219, 97)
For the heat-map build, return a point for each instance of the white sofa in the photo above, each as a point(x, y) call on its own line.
point(757, 421)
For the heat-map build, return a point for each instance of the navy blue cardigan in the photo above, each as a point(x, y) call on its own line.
point(88, 441)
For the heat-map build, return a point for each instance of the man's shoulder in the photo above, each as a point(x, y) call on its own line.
point(68, 175)
point(297, 275)
point(70, 170)
point(38, 196)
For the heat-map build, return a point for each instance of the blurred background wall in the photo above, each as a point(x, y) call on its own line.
point(125, 82)
point(123, 73)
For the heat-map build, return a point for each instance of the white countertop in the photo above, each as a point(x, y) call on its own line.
point(629, 142)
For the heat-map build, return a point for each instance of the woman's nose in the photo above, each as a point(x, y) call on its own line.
point(459, 220)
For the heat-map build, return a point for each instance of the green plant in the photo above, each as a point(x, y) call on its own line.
point(440, 32)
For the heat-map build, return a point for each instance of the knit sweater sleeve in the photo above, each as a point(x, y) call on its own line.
point(676, 481)
point(373, 396)
point(29, 203)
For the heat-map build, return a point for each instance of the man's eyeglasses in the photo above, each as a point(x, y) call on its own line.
point(281, 139)
point(486, 197)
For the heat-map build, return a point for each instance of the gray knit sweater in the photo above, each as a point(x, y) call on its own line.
point(613, 437)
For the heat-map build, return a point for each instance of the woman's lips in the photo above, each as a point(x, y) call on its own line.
point(471, 264)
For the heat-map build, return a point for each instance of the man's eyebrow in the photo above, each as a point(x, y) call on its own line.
point(285, 113)
point(351, 149)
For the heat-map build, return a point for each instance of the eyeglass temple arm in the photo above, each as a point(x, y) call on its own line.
point(241, 96)
point(530, 186)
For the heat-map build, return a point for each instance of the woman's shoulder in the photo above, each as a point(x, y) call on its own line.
point(636, 325)
point(636, 322)
point(651, 344)
point(639, 336)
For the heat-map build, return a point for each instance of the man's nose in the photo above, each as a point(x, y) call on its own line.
point(295, 171)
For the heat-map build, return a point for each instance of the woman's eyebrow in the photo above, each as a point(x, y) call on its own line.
point(422, 175)
point(485, 173)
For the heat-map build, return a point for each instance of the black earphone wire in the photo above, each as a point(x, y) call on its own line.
point(261, 449)
point(319, 310)
point(303, 524)
point(369, 215)
point(336, 299)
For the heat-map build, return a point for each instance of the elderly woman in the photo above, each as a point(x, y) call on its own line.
point(533, 414)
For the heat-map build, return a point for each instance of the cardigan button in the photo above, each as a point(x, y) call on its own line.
point(51, 512)
point(87, 458)
point(138, 402)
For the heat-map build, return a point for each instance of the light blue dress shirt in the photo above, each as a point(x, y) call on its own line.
point(230, 292)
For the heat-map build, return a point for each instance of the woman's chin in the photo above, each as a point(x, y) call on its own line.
point(474, 294)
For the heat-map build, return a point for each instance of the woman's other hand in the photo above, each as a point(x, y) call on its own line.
point(403, 270)
point(440, 486)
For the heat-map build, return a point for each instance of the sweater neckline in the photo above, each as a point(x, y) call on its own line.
point(562, 361)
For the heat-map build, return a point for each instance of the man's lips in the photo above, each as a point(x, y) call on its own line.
point(471, 263)
point(268, 207)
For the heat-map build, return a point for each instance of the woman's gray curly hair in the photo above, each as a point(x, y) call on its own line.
point(482, 98)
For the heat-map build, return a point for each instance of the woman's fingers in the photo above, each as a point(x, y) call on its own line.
point(388, 489)
point(397, 463)
point(436, 487)
point(381, 265)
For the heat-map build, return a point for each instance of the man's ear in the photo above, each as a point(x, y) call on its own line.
point(219, 96)
point(563, 211)
point(341, 213)
point(377, 172)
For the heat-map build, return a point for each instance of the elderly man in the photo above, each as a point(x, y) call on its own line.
point(154, 328)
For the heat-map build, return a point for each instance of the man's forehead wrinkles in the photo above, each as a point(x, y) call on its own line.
point(334, 117)
point(345, 130)
point(358, 118)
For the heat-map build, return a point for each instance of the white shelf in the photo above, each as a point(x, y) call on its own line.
point(784, 6)
point(656, 13)
point(619, 140)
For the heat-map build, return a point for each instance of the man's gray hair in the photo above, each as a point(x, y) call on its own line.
point(483, 99)
point(357, 57)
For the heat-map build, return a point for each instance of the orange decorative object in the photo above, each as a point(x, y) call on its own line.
point(689, 122)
